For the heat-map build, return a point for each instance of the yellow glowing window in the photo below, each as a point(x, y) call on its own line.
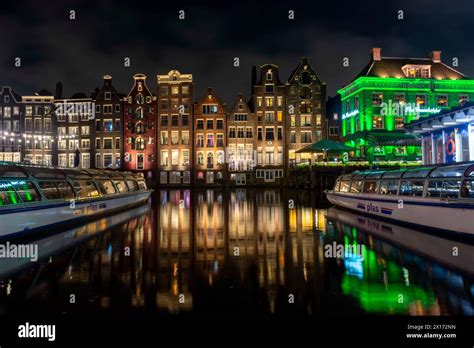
point(279, 116)
point(377, 122)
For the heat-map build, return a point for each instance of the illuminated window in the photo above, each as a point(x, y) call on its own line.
point(442, 100)
point(399, 122)
point(417, 71)
point(209, 109)
point(377, 99)
point(269, 101)
point(399, 98)
point(200, 158)
point(164, 158)
point(420, 99)
point(185, 154)
point(292, 121)
point(305, 121)
point(377, 122)
point(175, 89)
point(463, 99)
point(280, 116)
point(174, 138)
point(185, 137)
point(259, 101)
point(139, 145)
point(174, 157)
point(279, 101)
point(200, 140)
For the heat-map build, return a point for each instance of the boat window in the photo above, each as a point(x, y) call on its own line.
point(467, 189)
point(132, 185)
point(45, 173)
point(27, 191)
point(337, 185)
point(12, 171)
point(122, 187)
point(376, 175)
point(449, 171)
point(412, 188)
point(65, 190)
point(388, 187)
point(77, 174)
point(371, 187)
point(85, 189)
point(345, 186)
point(356, 186)
point(451, 188)
point(142, 185)
point(49, 189)
point(8, 195)
point(417, 173)
point(359, 176)
point(106, 187)
point(434, 189)
point(395, 174)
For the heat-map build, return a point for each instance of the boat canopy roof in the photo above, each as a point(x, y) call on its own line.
point(16, 170)
point(435, 171)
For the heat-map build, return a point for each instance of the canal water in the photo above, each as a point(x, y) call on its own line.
point(249, 253)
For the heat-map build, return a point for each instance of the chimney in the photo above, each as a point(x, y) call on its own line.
point(59, 91)
point(254, 78)
point(305, 60)
point(435, 56)
point(376, 53)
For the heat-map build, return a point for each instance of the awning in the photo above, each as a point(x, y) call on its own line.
point(325, 146)
point(386, 138)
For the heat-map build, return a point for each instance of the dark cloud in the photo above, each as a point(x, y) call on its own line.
point(78, 53)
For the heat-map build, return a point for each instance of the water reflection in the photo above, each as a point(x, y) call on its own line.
point(246, 253)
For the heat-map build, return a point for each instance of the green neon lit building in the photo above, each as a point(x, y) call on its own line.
point(391, 92)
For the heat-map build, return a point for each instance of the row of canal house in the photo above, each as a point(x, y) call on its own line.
point(208, 142)
point(164, 133)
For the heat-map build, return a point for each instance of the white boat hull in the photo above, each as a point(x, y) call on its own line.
point(438, 215)
point(34, 217)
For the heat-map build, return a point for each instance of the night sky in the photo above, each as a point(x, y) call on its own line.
point(79, 52)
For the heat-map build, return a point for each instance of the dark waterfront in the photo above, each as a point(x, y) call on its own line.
point(250, 253)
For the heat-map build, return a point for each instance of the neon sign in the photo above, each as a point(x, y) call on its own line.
point(349, 114)
point(417, 109)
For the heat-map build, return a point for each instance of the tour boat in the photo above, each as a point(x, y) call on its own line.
point(36, 198)
point(438, 197)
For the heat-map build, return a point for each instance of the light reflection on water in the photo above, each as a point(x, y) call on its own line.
point(245, 253)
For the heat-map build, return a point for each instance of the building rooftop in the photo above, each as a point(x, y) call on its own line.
point(394, 67)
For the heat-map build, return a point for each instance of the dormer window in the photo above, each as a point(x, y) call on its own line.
point(269, 75)
point(417, 71)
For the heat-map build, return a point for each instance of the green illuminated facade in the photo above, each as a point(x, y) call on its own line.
point(391, 92)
